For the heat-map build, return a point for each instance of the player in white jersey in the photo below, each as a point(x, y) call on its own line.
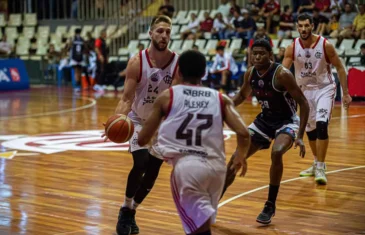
point(191, 139)
point(313, 56)
point(148, 74)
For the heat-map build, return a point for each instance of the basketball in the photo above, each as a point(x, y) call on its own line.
point(119, 128)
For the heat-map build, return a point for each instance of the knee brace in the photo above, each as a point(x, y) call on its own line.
point(322, 130)
point(312, 135)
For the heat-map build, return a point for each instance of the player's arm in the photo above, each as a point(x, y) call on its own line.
point(342, 76)
point(150, 126)
point(286, 80)
point(288, 56)
point(245, 90)
point(130, 85)
point(235, 122)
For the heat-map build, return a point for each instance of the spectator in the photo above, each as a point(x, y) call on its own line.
point(248, 26)
point(206, 25)
point(5, 47)
point(224, 8)
point(333, 27)
point(336, 7)
point(191, 28)
point(235, 25)
point(280, 56)
point(323, 6)
point(271, 14)
point(320, 22)
point(223, 68)
point(286, 23)
point(219, 26)
point(167, 9)
point(90, 41)
point(359, 23)
point(102, 60)
point(345, 24)
point(54, 58)
point(234, 7)
point(362, 60)
point(306, 6)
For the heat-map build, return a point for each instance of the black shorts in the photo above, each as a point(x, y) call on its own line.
point(264, 129)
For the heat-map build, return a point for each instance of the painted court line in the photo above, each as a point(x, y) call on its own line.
point(282, 182)
point(92, 103)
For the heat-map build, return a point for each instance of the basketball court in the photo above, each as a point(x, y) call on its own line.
point(57, 176)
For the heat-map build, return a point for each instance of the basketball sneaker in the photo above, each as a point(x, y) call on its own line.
point(134, 226)
point(267, 213)
point(309, 171)
point(124, 221)
point(320, 176)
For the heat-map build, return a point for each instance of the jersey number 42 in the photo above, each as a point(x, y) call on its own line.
point(187, 134)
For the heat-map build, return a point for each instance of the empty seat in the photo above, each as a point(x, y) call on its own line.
point(30, 19)
point(28, 32)
point(15, 20)
point(2, 20)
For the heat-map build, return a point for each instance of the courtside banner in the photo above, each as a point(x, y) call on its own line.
point(13, 75)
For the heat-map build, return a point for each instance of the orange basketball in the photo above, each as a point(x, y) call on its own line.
point(119, 128)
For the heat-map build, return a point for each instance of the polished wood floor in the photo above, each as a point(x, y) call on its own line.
point(58, 177)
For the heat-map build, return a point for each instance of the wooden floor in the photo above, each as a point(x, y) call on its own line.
point(62, 179)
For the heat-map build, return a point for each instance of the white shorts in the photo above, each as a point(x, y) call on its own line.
point(320, 102)
point(196, 187)
point(133, 142)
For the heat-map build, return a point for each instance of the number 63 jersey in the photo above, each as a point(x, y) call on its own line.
point(151, 83)
point(193, 125)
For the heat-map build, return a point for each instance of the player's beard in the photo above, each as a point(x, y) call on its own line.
point(158, 46)
point(307, 36)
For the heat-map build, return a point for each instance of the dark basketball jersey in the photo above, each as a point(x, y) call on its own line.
point(77, 49)
point(274, 103)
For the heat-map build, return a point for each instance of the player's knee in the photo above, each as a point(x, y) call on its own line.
point(277, 155)
point(322, 130)
point(312, 135)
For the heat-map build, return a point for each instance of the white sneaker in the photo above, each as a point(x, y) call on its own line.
point(320, 176)
point(309, 171)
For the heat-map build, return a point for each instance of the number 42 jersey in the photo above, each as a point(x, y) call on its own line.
point(194, 124)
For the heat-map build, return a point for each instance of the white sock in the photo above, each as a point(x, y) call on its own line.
point(128, 202)
point(320, 165)
point(135, 205)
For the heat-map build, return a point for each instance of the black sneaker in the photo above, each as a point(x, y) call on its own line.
point(134, 226)
point(124, 221)
point(267, 213)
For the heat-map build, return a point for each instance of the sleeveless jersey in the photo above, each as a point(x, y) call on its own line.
point(152, 82)
point(312, 66)
point(194, 125)
point(274, 103)
point(77, 49)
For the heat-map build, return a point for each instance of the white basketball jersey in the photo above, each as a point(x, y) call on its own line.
point(152, 82)
point(194, 124)
point(312, 66)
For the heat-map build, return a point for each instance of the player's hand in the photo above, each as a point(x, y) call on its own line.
point(346, 100)
point(104, 135)
point(299, 142)
point(239, 163)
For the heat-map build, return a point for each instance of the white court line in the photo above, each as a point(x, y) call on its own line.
point(347, 117)
point(93, 102)
point(282, 182)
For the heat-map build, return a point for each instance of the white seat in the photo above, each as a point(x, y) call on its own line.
point(2, 20)
point(187, 45)
point(201, 14)
point(15, 20)
point(61, 31)
point(43, 32)
point(86, 29)
point(235, 44)
point(187, 18)
point(143, 36)
point(28, 32)
point(30, 19)
point(346, 46)
point(211, 45)
point(97, 30)
point(175, 30)
point(286, 42)
point(180, 16)
point(11, 33)
point(200, 43)
point(176, 45)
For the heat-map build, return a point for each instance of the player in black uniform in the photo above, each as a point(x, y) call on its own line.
point(77, 56)
point(278, 93)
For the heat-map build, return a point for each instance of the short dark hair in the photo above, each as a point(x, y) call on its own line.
point(192, 65)
point(159, 19)
point(78, 31)
point(220, 48)
point(286, 7)
point(305, 16)
point(262, 43)
point(362, 46)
